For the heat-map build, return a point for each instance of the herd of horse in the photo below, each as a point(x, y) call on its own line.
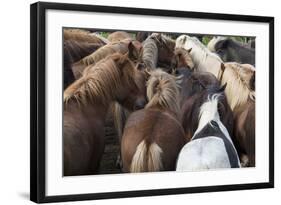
point(177, 104)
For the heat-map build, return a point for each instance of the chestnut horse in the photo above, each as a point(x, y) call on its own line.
point(182, 59)
point(86, 102)
point(153, 136)
point(119, 36)
point(109, 49)
point(82, 36)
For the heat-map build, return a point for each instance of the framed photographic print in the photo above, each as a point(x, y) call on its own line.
point(129, 102)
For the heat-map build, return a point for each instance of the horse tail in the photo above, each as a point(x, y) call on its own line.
point(147, 158)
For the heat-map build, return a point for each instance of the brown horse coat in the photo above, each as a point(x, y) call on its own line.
point(152, 126)
point(86, 103)
point(244, 132)
point(119, 36)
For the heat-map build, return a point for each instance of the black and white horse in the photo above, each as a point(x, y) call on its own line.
point(211, 146)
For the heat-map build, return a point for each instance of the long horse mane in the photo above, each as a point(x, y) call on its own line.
point(163, 91)
point(150, 53)
point(236, 84)
point(99, 82)
point(182, 42)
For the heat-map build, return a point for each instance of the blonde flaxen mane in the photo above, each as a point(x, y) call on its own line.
point(163, 91)
point(237, 90)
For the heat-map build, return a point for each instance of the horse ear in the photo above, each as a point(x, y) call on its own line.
point(132, 53)
point(189, 50)
point(121, 59)
point(147, 74)
point(222, 67)
point(222, 88)
point(133, 50)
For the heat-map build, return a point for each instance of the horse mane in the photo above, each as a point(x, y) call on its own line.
point(236, 84)
point(150, 53)
point(104, 51)
point(184, 40)
point(99, 82)
point(81, 35)
point(167, 39)
point(163, 91)
point(212, 43)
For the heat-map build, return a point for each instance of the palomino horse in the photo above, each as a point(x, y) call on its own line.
point(203, 59)
point(86, 102)
point(109, 49)
point(194, 85)
point(240, 79)
point(158, 51)
point(82, 36)
point(146, 146)
point(232, 51)
point(211, 146)
point(119, 36)
point(74, 51)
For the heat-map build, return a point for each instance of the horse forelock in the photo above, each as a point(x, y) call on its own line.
point(100, 82)
point(163, 91)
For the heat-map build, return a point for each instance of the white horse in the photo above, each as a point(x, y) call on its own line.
point(203, 58)
point(211, 146)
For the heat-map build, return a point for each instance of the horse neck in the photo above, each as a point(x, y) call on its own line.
point(208, 112)
point(204, 60)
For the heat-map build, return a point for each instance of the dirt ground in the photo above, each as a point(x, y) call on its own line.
point(111, 151)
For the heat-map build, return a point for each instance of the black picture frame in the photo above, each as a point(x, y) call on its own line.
point(38, 100)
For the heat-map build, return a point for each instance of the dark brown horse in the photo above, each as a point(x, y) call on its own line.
point(153, 136)
point(158, 51)
point(194, 86)
point(74, 51)
point(86, 103)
